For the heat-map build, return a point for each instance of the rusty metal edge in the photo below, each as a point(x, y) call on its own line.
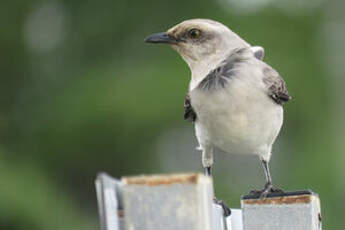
point(281, 194)
point(299, 199)
point(162, 179)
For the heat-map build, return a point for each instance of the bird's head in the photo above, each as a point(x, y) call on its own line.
point(199, 41)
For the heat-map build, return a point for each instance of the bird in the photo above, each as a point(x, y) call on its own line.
point(234, 98)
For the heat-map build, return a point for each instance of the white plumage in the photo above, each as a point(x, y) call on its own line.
point(239, 119)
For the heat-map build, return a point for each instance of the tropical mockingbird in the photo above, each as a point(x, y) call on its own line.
point(234, 98)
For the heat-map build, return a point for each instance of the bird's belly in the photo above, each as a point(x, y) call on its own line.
point(237, 123)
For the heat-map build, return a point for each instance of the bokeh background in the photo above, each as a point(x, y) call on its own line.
point(81, 93)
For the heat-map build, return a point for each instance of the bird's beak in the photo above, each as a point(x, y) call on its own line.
point(163, 37)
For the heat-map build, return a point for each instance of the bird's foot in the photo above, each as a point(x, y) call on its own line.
point(268, 189)
point(226, 209)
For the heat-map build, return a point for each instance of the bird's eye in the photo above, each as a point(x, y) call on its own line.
point(194, 33)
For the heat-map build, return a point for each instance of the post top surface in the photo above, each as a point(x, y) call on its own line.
point(156, 180)
point(292, 197)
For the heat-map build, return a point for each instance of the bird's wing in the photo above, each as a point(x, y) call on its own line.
point(218, 77)
point(189, 113)
point(275, 85)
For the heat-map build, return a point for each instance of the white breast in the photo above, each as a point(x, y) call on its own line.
point(239, 119)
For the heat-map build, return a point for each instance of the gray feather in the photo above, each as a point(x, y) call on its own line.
point(189, 113)
point(218, 77)
point(276, 86)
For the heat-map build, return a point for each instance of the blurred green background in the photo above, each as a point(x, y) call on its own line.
point(81, 93)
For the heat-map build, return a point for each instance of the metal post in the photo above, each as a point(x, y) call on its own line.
point(169, 202)
point(299, 210)
point(185, 201)
point(109, 202)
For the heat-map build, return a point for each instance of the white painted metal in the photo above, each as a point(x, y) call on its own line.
point(109, 198)
point(168, 202)
point(299, 211)
point(234, 222)
point(161, 202)
point(218, 218)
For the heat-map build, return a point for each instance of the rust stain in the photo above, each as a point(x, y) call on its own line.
point(156, 180)
point(300, 199)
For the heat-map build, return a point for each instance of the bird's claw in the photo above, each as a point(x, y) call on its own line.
point(226, 209)
point(268, 189)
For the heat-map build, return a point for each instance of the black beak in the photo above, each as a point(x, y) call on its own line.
point(161, 38)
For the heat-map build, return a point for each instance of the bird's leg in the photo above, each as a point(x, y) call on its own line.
point(207, 159)
point(267, 172)
point(207, 162)
point(268, 188)
point(208, 171)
